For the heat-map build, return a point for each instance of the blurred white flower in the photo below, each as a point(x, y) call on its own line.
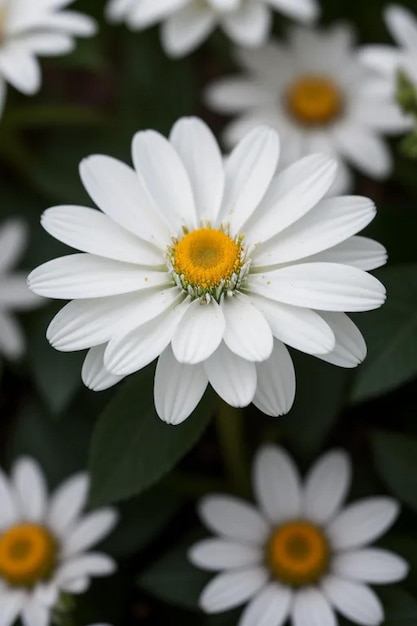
point(210, 265)
point(14, 292)
point(35, 27)
point(44, 543)
point(319, 97)
point(187, 23)
point(299, 555)
point(386, 59)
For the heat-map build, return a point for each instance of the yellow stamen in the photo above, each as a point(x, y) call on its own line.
point(298, 553)
point(314, 100)
point(27, 554)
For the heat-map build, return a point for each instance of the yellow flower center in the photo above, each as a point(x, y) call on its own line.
point(207, 262)
point(314, 100)
point(27, 554)
point(298, 553)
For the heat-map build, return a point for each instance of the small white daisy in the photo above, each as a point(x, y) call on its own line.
point(210, 265)
point(319, 97)
point(14, 292)
point(402, 25)
point(299, 555)
point(35, 27)
point(44, 543)
point(187, 23)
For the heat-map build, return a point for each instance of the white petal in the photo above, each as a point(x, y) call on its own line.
point(73, 226)
point(145, 14)
point(165, 179)
point(362, 522)
point(34, 614)
point(231, 589)
point(218, 554)
point(311, 608)
point(249, 171)
point(76, 585)
point(233, 519)
point(90, 564)
point(46, 593)
point(232, 378)
point(12, 602)
point(326, 486)
point(247, 333)
point(269, 608)
point(402, 25)
point(187, 29)
point(93, 373)
point(200, 153)
point(15, 294)
point(12, 343)
point(45, 43)
point(323, 286)
point(91, 529)
point(365, 149)
point(67, 503)
point(178, 388)
point(350, 348)
point(361, 252)
point(200, 332)
point(231, 95)
point(20, 68)
point(30, 488)
point(301, 10)
point(276, 484)
point(356, 602)
point(13, 236)
point(8, 510)
point(89, 276)
point(70, 22)
point(370, 565)
point(275, 389)
point(249, 25)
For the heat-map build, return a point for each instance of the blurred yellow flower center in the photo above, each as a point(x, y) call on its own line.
point(27, 554)
point(314, 100)
point(207, 261)
point(298, 553)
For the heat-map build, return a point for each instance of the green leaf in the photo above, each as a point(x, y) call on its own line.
point(132, 448)
point(396, 459)
point(391, 336)
point(400, 608)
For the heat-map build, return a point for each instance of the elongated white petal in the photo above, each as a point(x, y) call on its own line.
point(311, 608)
point(14, 293)
point(232, 378)
point(233, 94)
point(12, 342)
point(247, 333)
point(362, 522)
point(365, 149)
point(233, 519)
point(301, 10)
point(275, 389)
point(270, 607)
point(34, 614)
point(90, 564)
point(9, 512)
point(178, 387)
point(30, 488)
point(249, 25)
point(356, 602)
point(200, 332)
point(93, 373)
point(231, 589)
point(326, 486)
point(91, 529)
point(276, 484)
point(217, 554)
point(67, 503)
point(145, 14)
point(187, 29)
point(12, 603)
point(76, 585)
point(361, 252)
point(20, 68)
point(402, 25)
point(13, 236)
point(350, 347)
point(370, 565)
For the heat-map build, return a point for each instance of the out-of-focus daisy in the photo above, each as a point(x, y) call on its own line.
point(299, 554)
point(402, 25)
point(211, 266)
point(187, 23)
point(45, 543)
point(29, 28)
point(14, 293)
point(319, 97)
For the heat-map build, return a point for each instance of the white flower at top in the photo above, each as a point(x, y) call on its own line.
point(14, 293)
point(402, 24)
point(35, 27)
point(210, 265)
point(45, 543)
point(187, 23)
point(320, 98)
point(299, 554)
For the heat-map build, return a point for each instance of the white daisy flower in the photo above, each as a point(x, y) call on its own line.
point(14, 293)
point(386, 59)
point(319, 97)
point(299, 555)
point(187, 23)
point(29, 28)
point(211, 266)
point(44, 543)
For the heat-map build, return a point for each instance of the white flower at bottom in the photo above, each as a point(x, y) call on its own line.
point(299, 554)
point(44, 543)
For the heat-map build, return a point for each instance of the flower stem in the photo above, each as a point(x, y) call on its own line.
point(230, 434)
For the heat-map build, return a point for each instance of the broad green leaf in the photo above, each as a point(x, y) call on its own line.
point(132, 448)
point(391, 336)
point(396, 460)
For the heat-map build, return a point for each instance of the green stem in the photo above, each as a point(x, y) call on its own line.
point(230, 434)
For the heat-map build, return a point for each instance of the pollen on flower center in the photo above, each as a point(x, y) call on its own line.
point(298, 553)
point(207, 262)
point(314, 100)
point(27, 554)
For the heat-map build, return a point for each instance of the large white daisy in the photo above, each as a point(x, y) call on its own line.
point(320, 98)
point(14, 293)
point(187, 23)
point(45, 543)
point(211, 266)
point(299, 554)
point(35, 27)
